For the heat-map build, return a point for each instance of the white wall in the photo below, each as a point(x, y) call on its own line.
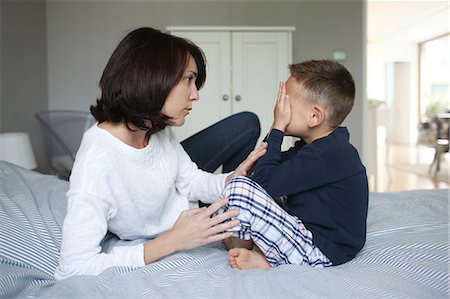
point(23, 70)
point(379, 55)
point(81, 35)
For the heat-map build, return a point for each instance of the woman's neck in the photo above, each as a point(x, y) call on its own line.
point(130, 135)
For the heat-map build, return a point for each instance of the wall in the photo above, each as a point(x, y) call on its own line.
point(23, 69)
point(81, 36)
point(381, 55)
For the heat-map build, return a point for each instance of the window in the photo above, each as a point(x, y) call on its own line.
point(434, 77)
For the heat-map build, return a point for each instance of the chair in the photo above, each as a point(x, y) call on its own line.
point(62, 132)
point(442, 122)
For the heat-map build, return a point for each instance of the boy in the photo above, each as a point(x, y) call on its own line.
point(318, 217)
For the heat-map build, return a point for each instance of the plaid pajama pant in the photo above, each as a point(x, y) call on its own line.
point(282, 238)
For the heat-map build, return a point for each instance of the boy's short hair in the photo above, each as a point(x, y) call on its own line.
point(327, 83)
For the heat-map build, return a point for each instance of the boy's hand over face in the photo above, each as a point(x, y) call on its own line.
point(282, 112)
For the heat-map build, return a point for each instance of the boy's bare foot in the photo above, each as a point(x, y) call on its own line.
point(244, 259)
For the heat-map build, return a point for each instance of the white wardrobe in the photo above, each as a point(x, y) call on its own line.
point(244, 68)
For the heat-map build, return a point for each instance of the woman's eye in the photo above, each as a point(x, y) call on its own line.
point(190, 79)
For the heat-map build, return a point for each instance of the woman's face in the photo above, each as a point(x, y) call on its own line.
point(179, 102)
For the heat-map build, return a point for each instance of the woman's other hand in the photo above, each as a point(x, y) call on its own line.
point(193, 228)
point(246, 167)
point(196, 227)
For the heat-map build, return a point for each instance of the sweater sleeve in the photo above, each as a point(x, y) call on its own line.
point(195, 183)
point(267, 164)
point(84, 228)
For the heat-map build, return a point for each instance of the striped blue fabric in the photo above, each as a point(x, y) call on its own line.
point(406, 255)
point(31, 218)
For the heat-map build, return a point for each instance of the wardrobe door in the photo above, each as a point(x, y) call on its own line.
point(215, 97)
point(244, 68)
point(260, 61)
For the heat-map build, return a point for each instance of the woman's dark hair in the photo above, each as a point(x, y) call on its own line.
point(139, 76)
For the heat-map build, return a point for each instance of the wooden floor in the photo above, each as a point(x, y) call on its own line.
point(404, 167)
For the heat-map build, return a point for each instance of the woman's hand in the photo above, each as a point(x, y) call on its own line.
point(282, 112)
point(193, 228)
point(196, 227)
point(245, 168)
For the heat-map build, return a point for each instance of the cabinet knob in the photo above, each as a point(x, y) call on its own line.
point(237, 98)
point(225, 97)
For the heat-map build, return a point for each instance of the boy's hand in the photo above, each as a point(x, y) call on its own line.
point(282, 112)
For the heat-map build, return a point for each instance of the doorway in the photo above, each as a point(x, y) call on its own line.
point(395, 31)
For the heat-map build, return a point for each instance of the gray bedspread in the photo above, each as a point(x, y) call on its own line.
point(406, 254)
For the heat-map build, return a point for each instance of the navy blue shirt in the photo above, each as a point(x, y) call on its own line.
point(326, 187)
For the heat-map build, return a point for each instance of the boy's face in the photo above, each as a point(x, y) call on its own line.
point(300, 108)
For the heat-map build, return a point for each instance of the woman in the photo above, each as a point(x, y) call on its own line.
point(131, 177)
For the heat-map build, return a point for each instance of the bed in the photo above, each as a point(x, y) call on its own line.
point(406, 254)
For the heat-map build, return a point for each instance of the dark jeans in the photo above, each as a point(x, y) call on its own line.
point(227, 142)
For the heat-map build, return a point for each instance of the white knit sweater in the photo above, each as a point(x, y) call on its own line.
point(134, 193)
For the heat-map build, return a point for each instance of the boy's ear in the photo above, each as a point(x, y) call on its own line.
point(317, 116)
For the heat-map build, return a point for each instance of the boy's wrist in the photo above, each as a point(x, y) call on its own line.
point(275, 135)
point(276, 129)
point(279, 127)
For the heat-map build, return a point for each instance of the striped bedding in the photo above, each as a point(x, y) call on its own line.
point(406, 254)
